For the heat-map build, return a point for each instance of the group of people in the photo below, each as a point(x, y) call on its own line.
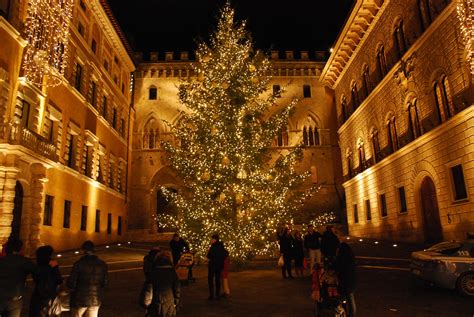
point(327, 256)
point(88, 277)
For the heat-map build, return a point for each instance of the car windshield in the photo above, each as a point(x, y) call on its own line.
point(446, 247)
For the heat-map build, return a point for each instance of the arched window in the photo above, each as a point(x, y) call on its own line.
point(376, 146)
point(366, 80)
point(443, 98)
point(354, 96)
point(282, 138)
point(349, 164)
point(151, 134)
point(425, 12)
point(361, 154)
point(152, 93)
point(392, 135)
point(345, 113)
point(381, 62)
point(310, 133)
point(414, 122)
point(399, 40)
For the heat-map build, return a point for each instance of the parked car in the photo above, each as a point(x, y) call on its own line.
point(447, 264)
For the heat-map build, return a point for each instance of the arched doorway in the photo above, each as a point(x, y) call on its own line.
point(164, 206)
point(430, 212)
point(17, 211)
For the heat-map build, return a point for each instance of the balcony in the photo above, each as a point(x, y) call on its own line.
point(31, 140)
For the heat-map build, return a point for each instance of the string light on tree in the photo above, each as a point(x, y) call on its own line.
point(47, 33)
point(465, 10)
point(232, 184)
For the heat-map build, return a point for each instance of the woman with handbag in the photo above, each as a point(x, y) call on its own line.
point(47, 280)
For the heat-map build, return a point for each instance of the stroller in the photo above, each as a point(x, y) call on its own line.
point(184, 267)
point(328, 301)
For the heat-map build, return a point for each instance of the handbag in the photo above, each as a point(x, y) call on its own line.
point(146, 295)
point(281, 261)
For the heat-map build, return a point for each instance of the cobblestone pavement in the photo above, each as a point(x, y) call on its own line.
point(385, 287)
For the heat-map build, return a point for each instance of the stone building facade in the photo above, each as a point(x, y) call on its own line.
point(64, 150)
point(156, 102)
point(404, 96)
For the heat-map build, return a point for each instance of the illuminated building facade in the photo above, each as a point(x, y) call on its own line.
point(156, 102)
point(64, 134)
point(404, 94)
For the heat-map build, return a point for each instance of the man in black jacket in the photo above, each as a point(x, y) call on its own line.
point(330, 242)
point(216, 256)
point(14, 268)
point(178, 246)
point(88, 277)
point(312, 242)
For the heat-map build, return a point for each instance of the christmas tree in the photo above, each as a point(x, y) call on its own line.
point(235, 185)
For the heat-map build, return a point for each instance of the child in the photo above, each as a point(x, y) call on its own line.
point(330, 279)
point(225, 276)
point(317, 274)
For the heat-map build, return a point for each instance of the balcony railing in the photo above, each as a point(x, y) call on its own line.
point(33, 141)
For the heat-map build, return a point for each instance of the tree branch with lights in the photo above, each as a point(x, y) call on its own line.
point(235, 185)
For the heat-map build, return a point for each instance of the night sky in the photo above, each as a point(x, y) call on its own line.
point(176, 25)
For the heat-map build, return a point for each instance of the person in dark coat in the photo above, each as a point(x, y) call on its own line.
point(149, 260)
point(216, 256)
point(14, 268)
point(329, 242)
point(47, 279)
point(88, 277)
point(312, 243)
point(286, 249)
point(178, 246)
point(346, 269)
point(298, 253)
point(166, 288)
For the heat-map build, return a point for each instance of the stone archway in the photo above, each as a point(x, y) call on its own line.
point(17, 211)
point(432, 229)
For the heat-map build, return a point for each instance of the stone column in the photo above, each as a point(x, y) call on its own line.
point(35, 216)
point(8, 177)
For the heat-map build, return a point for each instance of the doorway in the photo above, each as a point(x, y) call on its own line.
point(17, 211)
point(431, 221)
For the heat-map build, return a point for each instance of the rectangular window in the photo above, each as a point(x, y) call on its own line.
point(277, 91)
point(403, 201)
point(104, 107)
point(48, 211)
point(93, 94)
point(78, 77)
point(152, 93)
point(119, 226)
point(84, 218)
point(97, 220)
point(106, 65)
point(122, 127)
point(25, 112)
point(83, 6)
point(356, 214)
point(67, 214)
point(94, 46)
point(368, 212)
point(88, 157)
point(111, 174)
point(114, 118)
point(109, 223)
point(71, 161)
point(306, 91)
point(383, 205)
point(460, 191)
point(80, 29)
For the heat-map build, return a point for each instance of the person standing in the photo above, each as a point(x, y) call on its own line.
point(165, 286)
point(225, 277)
point(149, 260)
point(298, 253)
point(14, 268)
point(329, 242)
point(312, 243)
point(216, 256)
point(346, 269)
point(286, 249)
point(88, 277)
point(47, 279)
point(178, 246)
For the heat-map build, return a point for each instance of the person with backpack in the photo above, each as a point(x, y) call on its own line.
point(47, 280)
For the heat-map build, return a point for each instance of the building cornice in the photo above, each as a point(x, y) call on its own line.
point(110, 26)
point(5, 25)
point(363, 17)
